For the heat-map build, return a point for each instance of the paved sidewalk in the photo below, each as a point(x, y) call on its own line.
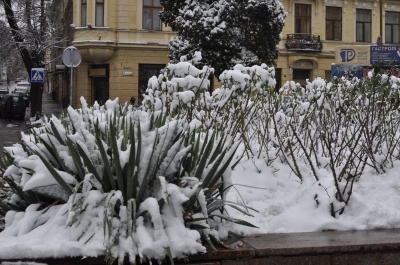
point(49, 108)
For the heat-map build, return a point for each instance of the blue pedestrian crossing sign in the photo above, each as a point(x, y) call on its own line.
point(37, 75)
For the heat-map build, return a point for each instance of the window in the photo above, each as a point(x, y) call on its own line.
point(84, 13)
point(363, 25)
point(392, 27)
point(302, 18)
point(145, 72)
point(301, 75)
point(99, 13)
point(333, 23)
point(151, 19)
point(328, 75)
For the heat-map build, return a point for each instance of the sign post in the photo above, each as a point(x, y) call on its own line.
point(71, 58)
point(37, 80)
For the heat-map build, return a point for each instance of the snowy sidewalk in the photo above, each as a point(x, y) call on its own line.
point(49, 107)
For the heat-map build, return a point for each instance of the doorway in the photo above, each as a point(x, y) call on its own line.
point(100, 83)
point(300, 76)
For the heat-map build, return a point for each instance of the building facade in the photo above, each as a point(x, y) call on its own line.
point(59, 14)
point(123, 42)
point(314, 28)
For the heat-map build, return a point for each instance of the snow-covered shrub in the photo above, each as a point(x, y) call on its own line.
point(156, 180)
point(345, 126)
point(182, 91)
point(236, 105)
point(227, 32)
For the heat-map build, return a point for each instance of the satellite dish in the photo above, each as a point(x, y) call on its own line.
point(71, 57)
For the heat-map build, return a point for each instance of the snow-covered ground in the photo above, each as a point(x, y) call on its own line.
point(283, 205)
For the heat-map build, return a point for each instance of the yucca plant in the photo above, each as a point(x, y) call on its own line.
point(141, 166)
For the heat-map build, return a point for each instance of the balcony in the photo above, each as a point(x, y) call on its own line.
point(303, 42)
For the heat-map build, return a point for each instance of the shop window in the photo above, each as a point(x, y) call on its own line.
point(392, 27)
point(303, 18)
point(363, 25)
point(333, 23)
point(84, 13)
point(151, 11)
point(99, 13)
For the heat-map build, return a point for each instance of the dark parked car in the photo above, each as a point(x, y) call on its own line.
point(3, 90)
point(19, 105)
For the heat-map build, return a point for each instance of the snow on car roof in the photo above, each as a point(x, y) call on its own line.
point(23, 82)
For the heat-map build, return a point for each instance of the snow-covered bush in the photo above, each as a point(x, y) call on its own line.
point(344, 126)
point(227, 32)
point(182, 91)
point(158, 182)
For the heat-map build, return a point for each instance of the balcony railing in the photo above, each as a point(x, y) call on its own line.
point(303, 42)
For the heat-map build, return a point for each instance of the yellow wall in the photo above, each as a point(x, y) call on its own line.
point(121, 43)
point(123, 73)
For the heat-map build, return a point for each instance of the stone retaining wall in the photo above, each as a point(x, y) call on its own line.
point(367, 247)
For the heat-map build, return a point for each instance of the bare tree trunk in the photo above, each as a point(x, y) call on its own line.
point(32, 58)
point(37, 88)
point(15, 31)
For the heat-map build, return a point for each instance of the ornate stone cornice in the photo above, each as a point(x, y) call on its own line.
point(391, 6)
point(340, 3)
point(366, 4)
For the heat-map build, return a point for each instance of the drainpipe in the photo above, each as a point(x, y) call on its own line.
point(381, 19)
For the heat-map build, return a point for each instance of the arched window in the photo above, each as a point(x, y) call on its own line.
point(151, 10)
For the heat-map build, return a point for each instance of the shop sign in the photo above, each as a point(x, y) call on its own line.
point(385, 53)
point(99, 72)
point(355, 55)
